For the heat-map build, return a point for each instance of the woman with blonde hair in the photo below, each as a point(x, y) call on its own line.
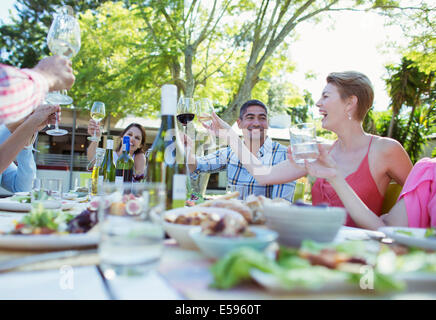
point(368, 162)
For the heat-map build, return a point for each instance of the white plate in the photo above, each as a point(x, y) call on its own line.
point(15, 206)
point(41, 242)
point(9, 205)
point(271, 283)
point(413, 280)
point(417, 239)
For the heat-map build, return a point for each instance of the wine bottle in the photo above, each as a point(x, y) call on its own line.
point(96, 183)
point(165, 157)
point(107, 170)
point(124, 167)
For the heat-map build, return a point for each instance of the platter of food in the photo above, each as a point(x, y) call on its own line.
point(350, 266)
point(44, 228)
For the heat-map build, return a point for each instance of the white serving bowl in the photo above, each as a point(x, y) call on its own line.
point(216, 247)
point(180, 232)
point(297, 223)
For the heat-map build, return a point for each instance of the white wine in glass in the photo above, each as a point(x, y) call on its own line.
point(97, 114)
point(205, 109)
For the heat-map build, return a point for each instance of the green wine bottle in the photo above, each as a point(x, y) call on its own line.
point(165, 157)
point(124, 167)
point(107, 169)
point(97, 180)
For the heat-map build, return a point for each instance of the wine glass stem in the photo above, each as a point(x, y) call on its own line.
point(57, 116)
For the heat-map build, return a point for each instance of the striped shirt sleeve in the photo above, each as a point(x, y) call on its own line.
point(21, 91)
point(214, 162)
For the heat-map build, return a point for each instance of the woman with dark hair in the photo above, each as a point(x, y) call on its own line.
point(137, 135)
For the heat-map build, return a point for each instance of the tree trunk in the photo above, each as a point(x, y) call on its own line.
point(392, 123)
point(244, 93)
point(190, 81)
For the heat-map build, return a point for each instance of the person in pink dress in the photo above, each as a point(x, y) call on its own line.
point(368, 162)
point(415, 207)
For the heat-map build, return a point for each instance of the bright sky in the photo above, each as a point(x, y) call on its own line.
point(355, 43)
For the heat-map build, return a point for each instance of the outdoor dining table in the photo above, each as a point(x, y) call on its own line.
point(181, 274)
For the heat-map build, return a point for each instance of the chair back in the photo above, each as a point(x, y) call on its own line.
point(391, 197)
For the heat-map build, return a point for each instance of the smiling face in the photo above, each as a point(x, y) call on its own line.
point(135, 138)
point(254, 123)
point(333, 108)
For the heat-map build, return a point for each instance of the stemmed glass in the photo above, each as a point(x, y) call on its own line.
point(56, 131)
point(205, 109)
point(186, 110)
point(63, 39)
point(97, 114)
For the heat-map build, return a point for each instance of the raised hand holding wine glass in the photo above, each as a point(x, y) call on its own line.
point(63, 39)
point(98, 112)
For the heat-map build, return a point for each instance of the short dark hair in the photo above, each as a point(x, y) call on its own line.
point(250, 103)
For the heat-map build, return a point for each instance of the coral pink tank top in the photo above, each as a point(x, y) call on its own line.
point(361, 181)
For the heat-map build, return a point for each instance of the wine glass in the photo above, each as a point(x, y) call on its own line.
point(63, 39)
point(205, 109)
point(56, 131)
point(186, 110)
point(97, 114)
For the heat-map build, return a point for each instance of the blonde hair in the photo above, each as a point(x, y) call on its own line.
point(353, 83)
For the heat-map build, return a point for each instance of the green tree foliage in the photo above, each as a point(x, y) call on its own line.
point(412, 116)
point(111, 37)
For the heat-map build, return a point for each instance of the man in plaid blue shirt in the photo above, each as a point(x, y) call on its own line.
point(253, 121)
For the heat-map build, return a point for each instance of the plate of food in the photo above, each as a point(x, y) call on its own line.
point(413, 237)
point(356, 266)
point(44, 228)
point(220, 235)
point(179, 222)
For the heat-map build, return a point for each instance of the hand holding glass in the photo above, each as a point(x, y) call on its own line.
point(303, 143)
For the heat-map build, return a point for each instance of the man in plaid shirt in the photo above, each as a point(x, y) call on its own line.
point(253, 120)
point(22, 90)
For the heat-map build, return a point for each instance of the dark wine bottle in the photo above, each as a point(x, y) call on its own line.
point(107, 169)
point(124, 167)
point(165, 157)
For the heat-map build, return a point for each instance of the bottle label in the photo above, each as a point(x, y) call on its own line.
point(168, 99)
point(179, 187)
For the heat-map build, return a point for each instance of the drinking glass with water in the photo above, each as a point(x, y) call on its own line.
point(303, 143)
point(132, 235)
